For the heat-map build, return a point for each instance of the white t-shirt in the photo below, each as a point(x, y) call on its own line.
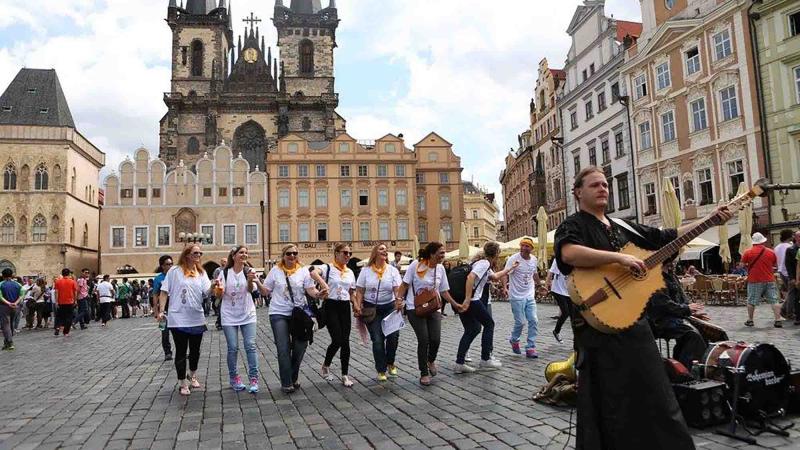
point(281, 304)
point(340, 284)
point(369, 280)
point(105, 292)
point(412, 279)
point(481, 278)
point(185, 298)
point(780, 253)
point(520, 281)
point(237, 306)
point(559, 283)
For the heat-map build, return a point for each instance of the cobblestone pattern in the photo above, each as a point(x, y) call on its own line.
point(110, 389)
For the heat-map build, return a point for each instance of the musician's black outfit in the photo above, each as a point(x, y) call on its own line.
point(667, 312)
point(625, 400)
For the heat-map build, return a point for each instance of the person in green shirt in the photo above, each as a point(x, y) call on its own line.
point(123, 294)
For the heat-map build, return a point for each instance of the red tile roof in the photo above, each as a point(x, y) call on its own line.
point(625, 28)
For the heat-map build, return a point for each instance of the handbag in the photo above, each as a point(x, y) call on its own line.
point(369, 311)
point(301, 326)
point(318, 307)
point(426, 301)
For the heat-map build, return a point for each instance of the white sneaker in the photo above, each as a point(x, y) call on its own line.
point(463, 368)
point(490, 364)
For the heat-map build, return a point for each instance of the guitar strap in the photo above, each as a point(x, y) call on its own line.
point(627, 226)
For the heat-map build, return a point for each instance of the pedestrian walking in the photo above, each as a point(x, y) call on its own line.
point(82, 317)
point(123, 297)
point(522, 297)
point(10, 300)
point(376, 297)
point(424, 276)
point(164, 264)
point(40, 305)
point(342, 284)
point(215, 303)
point(557, 285)
point(289, 313)
point(66, 290)
point(761, 261)
point(105, 297)
point(185, 285)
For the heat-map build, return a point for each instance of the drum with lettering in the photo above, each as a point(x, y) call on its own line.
point(764, 372)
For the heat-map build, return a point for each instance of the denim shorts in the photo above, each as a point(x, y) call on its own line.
point(767, 290)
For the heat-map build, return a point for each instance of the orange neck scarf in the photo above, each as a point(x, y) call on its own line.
point(379, 271)
point(421, 273)
point(287, 271)
point(342, 267)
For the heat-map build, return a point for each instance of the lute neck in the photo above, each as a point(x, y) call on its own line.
point(670, 249)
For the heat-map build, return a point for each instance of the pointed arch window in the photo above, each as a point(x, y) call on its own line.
point(74, 181)
point(193, 148)
point(85, 241)
point(72, 231)
point(10, 178)
point(7, 229)
point(306, 57)
point(42, 179)
point(197, 59)
point(39, 228)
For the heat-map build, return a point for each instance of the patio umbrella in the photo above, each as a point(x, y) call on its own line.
point(463, 243)
point(443, 238)
point(724, 247)
point(415, 247)
point(671, 213)
point(745, 222)
point(541, 230)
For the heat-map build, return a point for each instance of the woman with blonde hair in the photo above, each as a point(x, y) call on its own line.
point(376, 294)
point(288, 283)
point(186, 284)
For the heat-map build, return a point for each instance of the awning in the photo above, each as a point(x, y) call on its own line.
point(706, 241)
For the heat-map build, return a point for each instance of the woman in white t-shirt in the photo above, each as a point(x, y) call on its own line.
point(426, 273)
point(286, 297)
point(557, 285)
point(235, 283)
point(342, 284)
point(186, 284)
point(376, 298)
point(474, 312)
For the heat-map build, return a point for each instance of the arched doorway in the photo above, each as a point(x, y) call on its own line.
point(250, 140)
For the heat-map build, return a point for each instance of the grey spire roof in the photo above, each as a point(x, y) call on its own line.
point(35, 97)
point(200, 6)
point(306, 6)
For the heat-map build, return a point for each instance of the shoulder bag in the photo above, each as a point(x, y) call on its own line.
point(301, 326)
point(427, 301)
point(369, 311)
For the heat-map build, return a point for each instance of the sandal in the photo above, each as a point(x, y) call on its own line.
point(194, 383)
point(287, 389)
point(346, 381)
point(425, 381)
point(749, 323)
point(184, 390)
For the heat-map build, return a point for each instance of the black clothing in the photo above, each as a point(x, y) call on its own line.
point(565, 307)
point(337, 319)
point(105, 311)
point(64, 315)
point(625, 400)
point(184, 341)
point(667, 312)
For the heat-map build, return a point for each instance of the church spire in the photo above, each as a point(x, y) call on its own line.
point(332, 4)
point(279, 3)
point(173, 3)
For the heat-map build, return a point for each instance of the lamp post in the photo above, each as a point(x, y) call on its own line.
point(263, 241)
point(193, 238)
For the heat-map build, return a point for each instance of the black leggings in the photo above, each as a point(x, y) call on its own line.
point(429, 335)
point(64, 317)
point(337, 316)
point(105, 312)
point(182, 341)
point(564, 307)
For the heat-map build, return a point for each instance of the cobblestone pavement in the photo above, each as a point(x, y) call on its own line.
point(109, 388)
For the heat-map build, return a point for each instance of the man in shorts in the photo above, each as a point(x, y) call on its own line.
point(760, 262)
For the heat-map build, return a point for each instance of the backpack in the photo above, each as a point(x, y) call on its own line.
point(457, 279)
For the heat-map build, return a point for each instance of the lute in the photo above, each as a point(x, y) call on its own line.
point(612, 298)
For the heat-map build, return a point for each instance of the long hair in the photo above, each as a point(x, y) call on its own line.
point(161, 262)
point(186, 265)
point(229, 264)
point(373, 257)
point(430, 250)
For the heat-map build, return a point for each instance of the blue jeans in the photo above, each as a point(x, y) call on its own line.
point(290, 350)
point(82, 317)
point(249, 339)
point(524, 309)
point(384, 348)
point(476, 316)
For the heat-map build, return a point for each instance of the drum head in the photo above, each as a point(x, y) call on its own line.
point(765, 380)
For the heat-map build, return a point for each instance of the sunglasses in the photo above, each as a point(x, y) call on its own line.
point(197, 253)
point(290, 254)
point(168, 264)
point(346, 253)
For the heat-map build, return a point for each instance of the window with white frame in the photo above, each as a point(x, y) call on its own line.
point(640, 86)
point(699, 118)
point(730, 109)
point(117, 236)
point(663, 80)
point(347, 231)
point(344, 147)
point(229, 235)
point(283, 198)
point(474, 214)
point(363, 197)
point(622, 191)
point(589, 110)
point(421, 202)
point(292, 147)
point(363, 231)
point(346, 198)
point(389, 148)
point(322, 198)
point(422, 231)
point(383, 197)
point(447, 227)
point(676, 185)
point(706, 185)
point(444, 202)
point(604, 151)
point(420, 177)
point(402, 229)
point(382, 171)
point(645, 137)
point(722, 45)
point(322, 231)
point(619, 144)
point(165, 235)
point(283, 171)
point(302, 198)
point(573, 119)
point(476, 232)
point(668, 126)
point(433, 156)
point(251, 234)
point(283, 232)
point(735, 175)
point(601, 102)
point(302, 171)
point(692, 61)
point(401, 196)
point(140, 237)
point(321, 171)
point(363, 170)
point(205, 229)
point(651, 205)
point(444, 178)
point(303, 232)
point(344, 171)
point(400, 170)
point(797, 83)
point(383, 230)
point(794, 23)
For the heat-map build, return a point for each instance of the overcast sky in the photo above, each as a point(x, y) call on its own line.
point(463, 68)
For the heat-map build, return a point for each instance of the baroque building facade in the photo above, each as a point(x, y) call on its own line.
point(49, 213)
point(515, 179)
point(480, 215)
point(694, 106)
point(776, 43)
point(594, 119)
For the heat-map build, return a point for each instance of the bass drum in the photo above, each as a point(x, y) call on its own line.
point(764, 382)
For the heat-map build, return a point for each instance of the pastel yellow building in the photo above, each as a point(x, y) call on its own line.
point(480, 212)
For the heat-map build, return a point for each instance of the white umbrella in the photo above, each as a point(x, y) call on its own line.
point(463, 242)
point(541, 219)
point(745, 222)
point(443, 238)
point(671, 213)
point(415, 247)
